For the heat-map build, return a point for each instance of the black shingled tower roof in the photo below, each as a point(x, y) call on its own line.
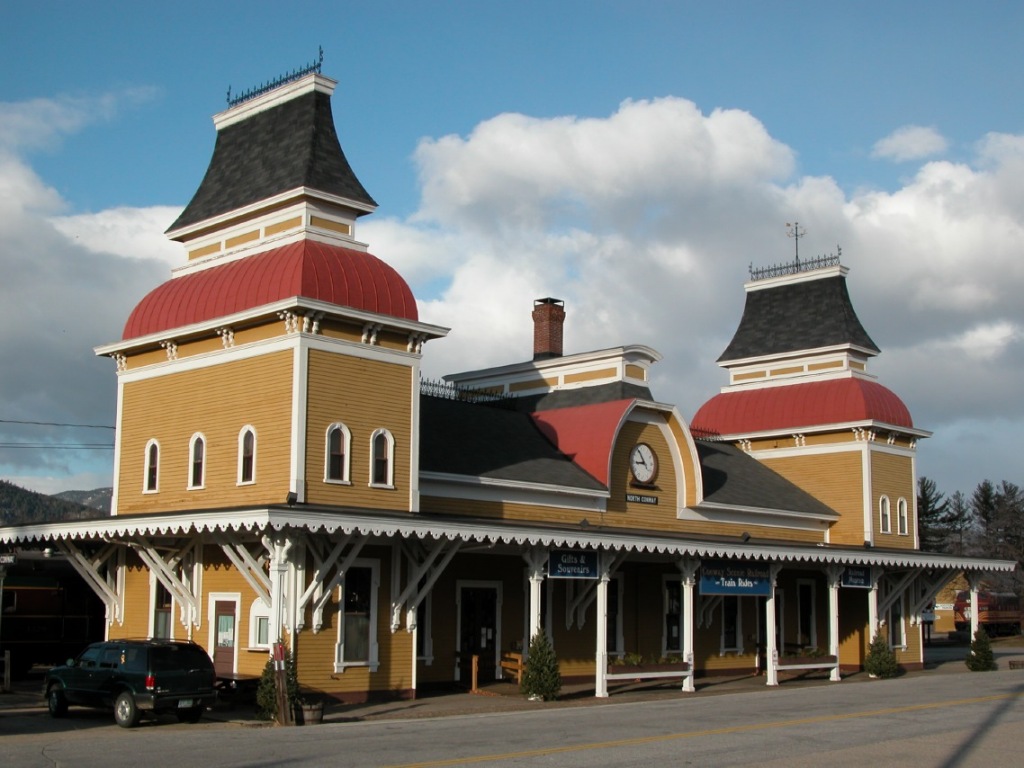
point(797, 316)
point(293, 144)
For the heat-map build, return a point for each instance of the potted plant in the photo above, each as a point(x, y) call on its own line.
point(312, 708)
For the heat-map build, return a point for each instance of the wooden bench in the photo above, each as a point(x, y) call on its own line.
point(512, 665)
point(1016, 664)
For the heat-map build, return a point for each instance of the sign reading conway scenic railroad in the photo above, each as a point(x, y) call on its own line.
point(858, 576)
point(722, 577)
point(572, 564)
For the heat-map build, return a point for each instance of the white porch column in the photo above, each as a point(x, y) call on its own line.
point(975, 623)
point(688, 568)
point(601, 625)
point(876, 574)
point(771, 652)
point(536, 561)
point(835, 574)
point(277, 547)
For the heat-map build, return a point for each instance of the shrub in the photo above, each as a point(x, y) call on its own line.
point(980, 659)
point(266, 693)
point(542, 678)
point(881, 660)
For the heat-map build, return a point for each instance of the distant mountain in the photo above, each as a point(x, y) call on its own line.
point(19, 506)
point(98, 498)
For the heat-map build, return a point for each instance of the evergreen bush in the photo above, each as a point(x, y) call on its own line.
point(881, 659)
point(980, 659)
point(542, 678)
point(266, 693)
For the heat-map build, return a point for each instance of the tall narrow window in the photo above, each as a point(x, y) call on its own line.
point(197, 470)
point(614, 628)
point(150, 484)
point(357, 630)
point(162, 604)
point(247, 455)
point(901, 517)
point(807, 631)
point(259, 624)
point(337, 466)
point(382, 449)
point(673, 629)
point(732, 632)
point(884, 518)
point(897, 639)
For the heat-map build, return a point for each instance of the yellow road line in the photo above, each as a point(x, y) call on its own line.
point(707, 732)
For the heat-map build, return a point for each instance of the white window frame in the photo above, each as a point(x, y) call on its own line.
point(722, 648)
point(192, 486)
point(390, 441)
point(154, 582)
point(241, 455)
point(897, 630)
point(812, 640)
point(346, 446)
point(258, 610)
point(148, 466)
point(677, 582)
point(373, 662)
point(902, 520)
point(884, 515)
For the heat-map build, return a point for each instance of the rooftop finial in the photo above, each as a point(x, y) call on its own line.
point(315, 66)
point(795, 231)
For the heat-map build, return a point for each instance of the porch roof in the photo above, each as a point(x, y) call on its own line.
point(261, 520)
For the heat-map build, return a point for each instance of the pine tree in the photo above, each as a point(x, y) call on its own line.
point(958, 522)
point(932, 507)
point(881, 660)
point(980, 659)
point(542, 678)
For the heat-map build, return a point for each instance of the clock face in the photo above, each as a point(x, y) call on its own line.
point(643, 463)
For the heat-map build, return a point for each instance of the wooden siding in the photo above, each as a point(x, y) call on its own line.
point(892, 476)
point(836, 479)
point(365, 395)
point(216, 401)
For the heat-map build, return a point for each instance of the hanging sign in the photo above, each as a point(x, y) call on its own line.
point(725, 577)
point(857, 576)
point(572, 564)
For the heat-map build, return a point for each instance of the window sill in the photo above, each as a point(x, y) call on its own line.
point(342, 666)
point(382, 486)
point(337, 482)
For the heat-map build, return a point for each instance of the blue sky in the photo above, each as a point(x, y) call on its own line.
point(636, 157)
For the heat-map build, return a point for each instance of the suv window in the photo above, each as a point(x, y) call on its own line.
point(90, 657)
point(134, 659)
point(178, 657)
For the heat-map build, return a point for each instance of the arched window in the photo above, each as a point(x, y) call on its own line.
point(247, 455)
point(902, 526)
point(382, 451)
point(197, 467)
point(884, 517)
point(339, 442)
point(150, 483)
point(259, 624)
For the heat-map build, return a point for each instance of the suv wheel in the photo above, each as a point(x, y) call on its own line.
point(56, 702)
point(126, 714)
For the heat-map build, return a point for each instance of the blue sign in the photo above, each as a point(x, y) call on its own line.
point(858, 576)
point(572, 564)
point(724, 577)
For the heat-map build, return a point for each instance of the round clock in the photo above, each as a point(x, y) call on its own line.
point(643, 463)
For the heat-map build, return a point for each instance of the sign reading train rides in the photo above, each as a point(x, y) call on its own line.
point(572, 564)
point(723, 577)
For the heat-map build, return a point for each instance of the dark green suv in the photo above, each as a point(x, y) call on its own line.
point(135, 677)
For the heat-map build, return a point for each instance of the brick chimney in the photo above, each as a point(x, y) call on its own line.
point(548, 317)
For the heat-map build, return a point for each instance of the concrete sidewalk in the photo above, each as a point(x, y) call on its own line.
point(500, 697)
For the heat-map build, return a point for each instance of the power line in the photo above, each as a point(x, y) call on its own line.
point(56, 424)
point(61, 446)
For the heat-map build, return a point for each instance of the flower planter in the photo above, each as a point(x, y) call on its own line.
point(313, 713)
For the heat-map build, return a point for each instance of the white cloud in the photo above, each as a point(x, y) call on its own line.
point(911, 142)
point(644, 222)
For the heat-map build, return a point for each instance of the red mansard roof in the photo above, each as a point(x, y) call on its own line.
point(794, 406)
point(309, 269)
point(585, 433)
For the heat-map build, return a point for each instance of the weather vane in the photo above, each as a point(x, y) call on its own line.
point(795, 231)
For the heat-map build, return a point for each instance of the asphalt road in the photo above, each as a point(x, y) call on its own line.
point(965, 719)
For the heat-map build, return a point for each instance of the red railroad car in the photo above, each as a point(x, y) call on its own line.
point(998, 612)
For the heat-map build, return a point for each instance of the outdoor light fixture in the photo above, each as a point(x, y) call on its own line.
point(745, 537)
point(292, 498)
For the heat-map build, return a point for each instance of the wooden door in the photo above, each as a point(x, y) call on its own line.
point(224, 639)
point(478, 632)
